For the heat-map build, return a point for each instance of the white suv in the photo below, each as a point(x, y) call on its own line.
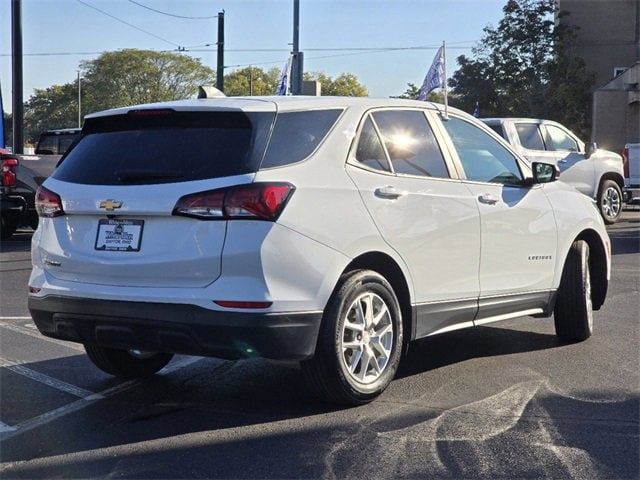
point(330, 231)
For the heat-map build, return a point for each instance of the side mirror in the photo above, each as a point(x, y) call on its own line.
point(590, 149)
point(544, 172)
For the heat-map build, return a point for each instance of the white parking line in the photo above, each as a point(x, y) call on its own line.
point(15, 367)
point(15, 318)
point(32, 331)
point(52, 415)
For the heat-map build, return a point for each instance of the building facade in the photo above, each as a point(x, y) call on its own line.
point(608, 39)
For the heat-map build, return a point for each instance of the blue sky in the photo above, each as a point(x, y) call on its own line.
point(80, 32)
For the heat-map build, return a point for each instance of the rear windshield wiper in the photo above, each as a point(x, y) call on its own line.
point(127, 176)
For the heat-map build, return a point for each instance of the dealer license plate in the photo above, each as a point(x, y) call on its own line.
point(119, 235)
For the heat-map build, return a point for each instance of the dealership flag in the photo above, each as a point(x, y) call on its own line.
point(284, 84)
point(476, 111)
point(435, 76)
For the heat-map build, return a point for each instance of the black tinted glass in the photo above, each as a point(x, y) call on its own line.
point(167, 147)
point(483, 158)
point(411, 144)
point(296, 135)
point(498, 129)
point(370, 151)
point(529, 135)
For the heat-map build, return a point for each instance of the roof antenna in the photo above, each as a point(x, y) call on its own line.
point(209, 91)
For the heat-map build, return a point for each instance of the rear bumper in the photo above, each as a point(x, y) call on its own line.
point(177, 328)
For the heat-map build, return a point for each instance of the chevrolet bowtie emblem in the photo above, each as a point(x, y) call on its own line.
point(110, 204)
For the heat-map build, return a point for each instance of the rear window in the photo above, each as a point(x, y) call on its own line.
point(296, 135)
point(55, 143)
point(149, 147)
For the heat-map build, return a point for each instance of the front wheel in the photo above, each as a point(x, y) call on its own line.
point(573, 313)
point(127, 363)
point(360, 341)
point(610, 201)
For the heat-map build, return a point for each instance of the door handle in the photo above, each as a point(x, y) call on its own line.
point(488, 199)
point(389, 192)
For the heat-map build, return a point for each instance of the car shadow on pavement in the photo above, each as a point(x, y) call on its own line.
point(624, 241)
point(458, 346)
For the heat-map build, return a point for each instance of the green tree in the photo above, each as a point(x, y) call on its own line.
point(53, 107)
point(251, 81)
point(130, 77)
point(525, 67)
point(115, 79)
point(344, 85)
point(412, 91)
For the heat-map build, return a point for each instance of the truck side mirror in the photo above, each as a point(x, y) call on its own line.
point(590, 149)
point(544, 172)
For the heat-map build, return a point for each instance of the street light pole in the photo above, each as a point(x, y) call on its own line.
point(79, 102)
point(297, 56)
point(16, 59)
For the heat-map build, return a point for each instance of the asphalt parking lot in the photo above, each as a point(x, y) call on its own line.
point(506, 400)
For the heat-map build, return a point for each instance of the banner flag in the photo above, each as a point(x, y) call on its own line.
point(284, 84)
point(476, 111)
point(435, 76)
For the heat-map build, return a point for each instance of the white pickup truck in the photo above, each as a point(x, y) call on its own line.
point(594, 172)
point(631, 156)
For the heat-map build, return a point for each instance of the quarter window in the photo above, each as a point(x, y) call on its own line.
point(483, 158)
point(410, 142)
point(370, 151)
point(529, 135)
point(560, 140)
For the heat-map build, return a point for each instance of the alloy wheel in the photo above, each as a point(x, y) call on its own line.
point(367, 338)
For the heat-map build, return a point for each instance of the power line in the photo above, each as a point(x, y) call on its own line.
point(171, 14)
point(129, 24)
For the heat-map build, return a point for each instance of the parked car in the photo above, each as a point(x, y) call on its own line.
point(631, 160)
point(595, 172)
point(57, 142)
point(326, 231)
point(22, 174)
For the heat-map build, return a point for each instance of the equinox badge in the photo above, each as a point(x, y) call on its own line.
point(110, 204)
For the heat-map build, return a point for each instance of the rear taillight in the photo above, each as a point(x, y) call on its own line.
point(625, 161)
point(9, 167)
point(48, 203)
point(254, 201)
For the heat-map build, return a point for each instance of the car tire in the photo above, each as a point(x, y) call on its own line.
point(360, 341)
point(124, 363)
point(7, 228)
point(610, 201)
point(573, 313)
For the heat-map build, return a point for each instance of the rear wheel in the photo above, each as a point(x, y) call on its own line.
point(360, 341)
point(573, 314)
point(610, 201)
point(127, 363)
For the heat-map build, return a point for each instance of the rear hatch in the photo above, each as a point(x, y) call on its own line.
point(120, 184)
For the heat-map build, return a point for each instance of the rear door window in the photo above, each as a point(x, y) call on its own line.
point(150, 147)
point(530, 136)
point(370, 151)
point(411, 144)
point(296, 135)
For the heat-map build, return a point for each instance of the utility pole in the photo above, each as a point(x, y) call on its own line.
point(297, 55)
point(16, 60)
point(79, 102)
point(220, 68)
